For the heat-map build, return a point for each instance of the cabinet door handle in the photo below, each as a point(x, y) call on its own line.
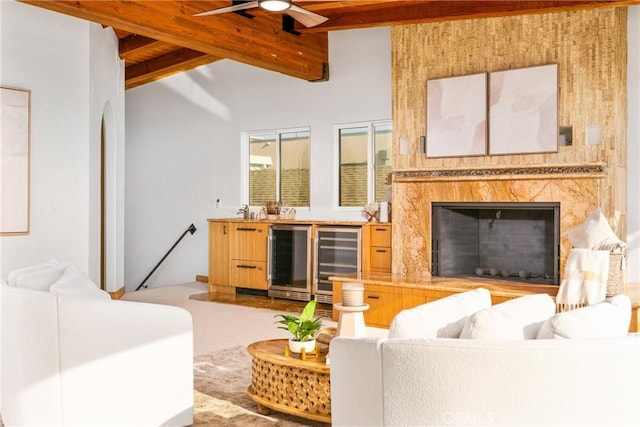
point(224, 229)
point(381, 229)
point(269, 254)
point(373, 297)
point(245, 229)
point(246, 266)
point(381, 250)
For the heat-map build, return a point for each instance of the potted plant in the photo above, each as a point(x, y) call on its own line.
point(303, 329)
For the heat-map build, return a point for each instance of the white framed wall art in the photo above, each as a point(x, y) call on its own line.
point(15, 136)
point(523, 110)
point(457, 116)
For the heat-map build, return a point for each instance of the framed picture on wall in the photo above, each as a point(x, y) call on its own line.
point(457, 116)
point(15, 135)
point(523, 110)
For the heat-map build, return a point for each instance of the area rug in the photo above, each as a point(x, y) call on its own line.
point(220, 382)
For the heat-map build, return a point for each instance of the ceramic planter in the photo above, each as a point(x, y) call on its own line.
point(298, 346)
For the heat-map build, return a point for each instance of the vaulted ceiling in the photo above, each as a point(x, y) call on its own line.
point(161, 38)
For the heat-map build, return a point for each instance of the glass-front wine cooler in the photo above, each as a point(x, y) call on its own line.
point(289, 262)
point(337, 252)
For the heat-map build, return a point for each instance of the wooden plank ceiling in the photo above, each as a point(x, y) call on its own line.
point(161, 38)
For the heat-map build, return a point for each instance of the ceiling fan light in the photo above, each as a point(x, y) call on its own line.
point(275, 5)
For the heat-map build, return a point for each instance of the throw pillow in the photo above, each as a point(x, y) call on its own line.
point(518, 318)
point(594, 230)
point(443, 318)
point(606, 319)
point(13, 275)
point(74, 282)
point(42, 279)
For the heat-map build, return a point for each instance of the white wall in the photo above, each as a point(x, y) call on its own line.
point(106, 75)
point(633, 145)
point(183, 145)
point(72, 69)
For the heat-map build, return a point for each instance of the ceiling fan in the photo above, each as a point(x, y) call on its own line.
point(302, 15)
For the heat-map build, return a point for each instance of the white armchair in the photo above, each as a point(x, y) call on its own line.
point(72, 360)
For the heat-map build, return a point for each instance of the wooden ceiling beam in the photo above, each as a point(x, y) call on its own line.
point(397, 12)
point(133, 44)
point(164, 66)
point(259, 41)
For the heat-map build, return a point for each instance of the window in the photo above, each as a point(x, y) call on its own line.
point(278, 166)
point(364, 159)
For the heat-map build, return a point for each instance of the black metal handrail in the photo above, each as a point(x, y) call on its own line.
point(191, 229)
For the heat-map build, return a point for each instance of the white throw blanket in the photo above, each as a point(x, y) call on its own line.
point(585, 279)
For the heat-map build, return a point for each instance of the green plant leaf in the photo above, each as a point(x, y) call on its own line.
point(309, 310)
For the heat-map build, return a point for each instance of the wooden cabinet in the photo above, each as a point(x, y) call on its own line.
point(248, 253)
point(384, 303)
point(376, 244)
point(412, 297)
point(387, 294)
point(238, 253)
point(218, 254)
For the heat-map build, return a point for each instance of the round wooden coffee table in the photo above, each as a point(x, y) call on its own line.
point(289, 384)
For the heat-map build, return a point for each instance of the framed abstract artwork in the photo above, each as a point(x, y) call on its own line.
point(457, 116)
point(523, 110)
point(15, 135)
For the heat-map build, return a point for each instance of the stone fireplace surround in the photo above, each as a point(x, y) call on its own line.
point(575, 187)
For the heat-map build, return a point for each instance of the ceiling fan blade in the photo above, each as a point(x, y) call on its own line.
point(233, 8)
point(304, 16)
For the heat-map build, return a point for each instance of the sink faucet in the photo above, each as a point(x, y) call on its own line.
point(244, 210)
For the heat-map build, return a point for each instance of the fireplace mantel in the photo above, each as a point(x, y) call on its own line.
point(592, 170)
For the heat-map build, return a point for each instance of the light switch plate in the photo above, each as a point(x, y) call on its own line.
point(594, 134)
point(404, 146)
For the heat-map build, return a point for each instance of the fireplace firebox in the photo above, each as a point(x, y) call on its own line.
point(510, 241)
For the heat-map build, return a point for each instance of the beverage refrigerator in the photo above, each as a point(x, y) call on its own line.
point(289, 262)
point(337, 252)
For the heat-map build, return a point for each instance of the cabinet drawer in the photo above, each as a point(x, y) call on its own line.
point(249, 274)
point(248, 241)
point(380, 259)
point(380, 235)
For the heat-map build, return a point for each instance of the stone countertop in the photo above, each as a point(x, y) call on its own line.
point(296, 221)
point(426, 281)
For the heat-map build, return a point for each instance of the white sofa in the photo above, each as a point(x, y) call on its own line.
point(69, 359)
point(439, 380)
